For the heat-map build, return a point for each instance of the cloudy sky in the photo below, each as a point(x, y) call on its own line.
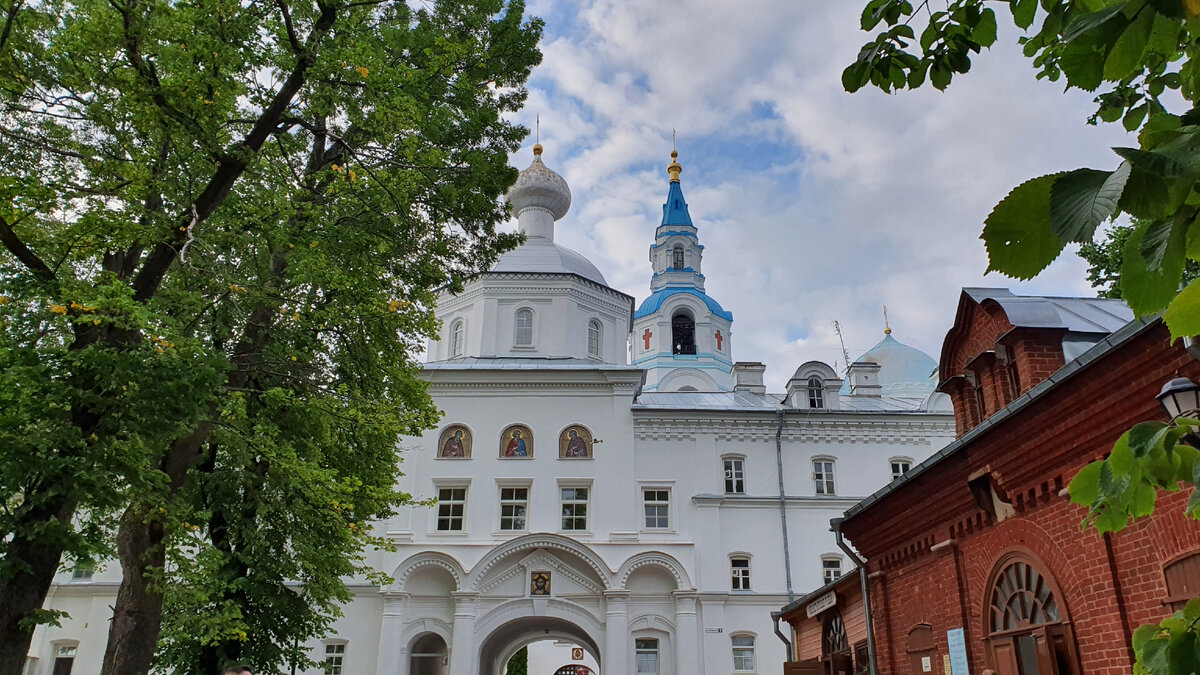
point(813, 204)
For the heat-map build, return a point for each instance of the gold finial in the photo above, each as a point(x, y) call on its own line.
point(674, 169)
point(537, 135)
point(537, 149)
point(887, 330)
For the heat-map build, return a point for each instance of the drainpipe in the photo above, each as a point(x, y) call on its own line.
point(861, 565)
point(787, 555)
point(787, 642)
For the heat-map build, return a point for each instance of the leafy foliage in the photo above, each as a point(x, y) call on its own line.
point(519, 663)
point(223, 227)
point(1105, 258)
point(1131, 53)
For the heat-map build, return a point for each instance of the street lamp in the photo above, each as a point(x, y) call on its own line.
point(1180, 396)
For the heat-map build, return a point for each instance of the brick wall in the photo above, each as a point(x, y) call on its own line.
point(932, 551)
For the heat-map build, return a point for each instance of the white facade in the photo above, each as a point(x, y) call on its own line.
point(662, 539)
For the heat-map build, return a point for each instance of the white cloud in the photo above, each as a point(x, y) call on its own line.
point(814, 204)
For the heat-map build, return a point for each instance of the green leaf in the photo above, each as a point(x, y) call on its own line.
point(1083, 23)
point(1145, 196)
point(1148, 291)
point(1023, 11)
point(1154, 657)
point(1126, 54)
point(1082, 199)
point(1083, 64)
point(984, 32)
point(1183, 314)
point(1120, 459)
point(1143, 635)
point(1154, 243)
point(1143, 500)
point(1134, 116)
point(1018, 236)
point(1084, 488)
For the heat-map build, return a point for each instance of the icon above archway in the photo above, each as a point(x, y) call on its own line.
point(455, 443)
point(575, 442)
point(539, 583)
point(516, 442)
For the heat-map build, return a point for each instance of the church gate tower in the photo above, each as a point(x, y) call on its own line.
point(681, 336)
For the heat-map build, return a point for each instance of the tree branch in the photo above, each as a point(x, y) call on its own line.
point(22, 253)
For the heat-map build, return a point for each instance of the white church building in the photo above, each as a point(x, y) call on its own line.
point(614, 490)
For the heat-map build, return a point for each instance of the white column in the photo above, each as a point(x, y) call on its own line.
point(687, 633)
point(393, 657)
point(462, 643)
point(717, 655)
point(616, 633)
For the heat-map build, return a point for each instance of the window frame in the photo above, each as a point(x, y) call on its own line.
point(906, 461)
point(439, 486)
point(826, 486)
point(678, 255)
point(340, 655)
point(753, 649)
point(528, 488)
point(586, 503)
point(517, 336)
point(816, 394)
point(662, 501)
point(735, 475)
point(740, 576)
point(638, 650)
point(83, 572)
point(595, 326)
point(458, 338)
point(826, 569)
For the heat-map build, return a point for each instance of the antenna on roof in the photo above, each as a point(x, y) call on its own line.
point(887, 330)
point(837, 328)
point(537, 128)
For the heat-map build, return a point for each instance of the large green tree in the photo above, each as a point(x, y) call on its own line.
point(1137, 56)
point(1105, 257)
point(223, 224)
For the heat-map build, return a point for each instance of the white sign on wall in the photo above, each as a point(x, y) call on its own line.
point(821, 604)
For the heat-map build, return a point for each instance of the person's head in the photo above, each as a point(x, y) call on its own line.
point(237, 669)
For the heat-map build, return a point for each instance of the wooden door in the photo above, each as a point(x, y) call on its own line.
point(840, 664)
point(1060, 642)
point(1002, 652)
point(806, 667)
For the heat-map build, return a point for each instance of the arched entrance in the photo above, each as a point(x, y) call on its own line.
point(499, 646)
point(1026, 624)
point(428, 655)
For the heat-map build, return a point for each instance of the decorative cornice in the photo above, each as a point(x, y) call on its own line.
point(654, 425)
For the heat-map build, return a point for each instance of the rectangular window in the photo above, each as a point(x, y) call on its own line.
point(900, 467)
point(743, 653)
point(735, 473)
point(83, 571)
point(646, 656)
point(739, 569)
point(333, 658)
point(832, 569)
point(514, 502)
point(658, 505)
point(452, 504)
point(823, 476)
point(64, 659)
point(574, 508)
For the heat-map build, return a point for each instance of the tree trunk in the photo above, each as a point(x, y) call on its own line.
point(23, 594)
point(137, 618)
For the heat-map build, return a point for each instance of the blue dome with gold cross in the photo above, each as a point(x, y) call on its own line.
point(903, 370)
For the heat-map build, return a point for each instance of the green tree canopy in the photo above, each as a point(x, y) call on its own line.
point(223, 227)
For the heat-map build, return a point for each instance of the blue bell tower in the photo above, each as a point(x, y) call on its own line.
point(681, 336)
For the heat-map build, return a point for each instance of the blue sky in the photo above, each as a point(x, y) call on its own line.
point(814, 205)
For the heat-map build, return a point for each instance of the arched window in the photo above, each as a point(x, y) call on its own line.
point(1183, 580)
point(456, 339)
point(1021, 598)
point(816, 393)
point(594, 338)
point(743, 653)
point(524, 328)
point(683, 334)
point(677, 258)
point(833, 635)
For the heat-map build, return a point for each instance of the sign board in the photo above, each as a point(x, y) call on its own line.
point(714, 630)
point(926, 664)
point(957, 642)
point(821, 604)
point(946, 664)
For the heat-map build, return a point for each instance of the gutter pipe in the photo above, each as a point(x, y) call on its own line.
point(787, 556)
point(836, 526)
point(788, 643)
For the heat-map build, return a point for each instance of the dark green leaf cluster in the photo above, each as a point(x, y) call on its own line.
point(224, 226)
point(1172, 646)
point(1105, 258)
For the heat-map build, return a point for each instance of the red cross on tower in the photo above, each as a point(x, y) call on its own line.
point(646, 336)
point(719, 338)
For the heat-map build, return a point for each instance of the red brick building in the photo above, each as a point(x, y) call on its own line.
point(981, 537)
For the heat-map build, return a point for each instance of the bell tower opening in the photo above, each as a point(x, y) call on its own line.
point(683, 334)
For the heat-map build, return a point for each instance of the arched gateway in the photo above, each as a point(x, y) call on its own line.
point(534, 588)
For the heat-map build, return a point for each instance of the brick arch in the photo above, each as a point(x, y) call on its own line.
point(1010, 556)
point(1021, 534)
point(976, 329)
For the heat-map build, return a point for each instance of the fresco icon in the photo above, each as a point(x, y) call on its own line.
point(516, 442)
point(575, 442)
point(455, 443)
